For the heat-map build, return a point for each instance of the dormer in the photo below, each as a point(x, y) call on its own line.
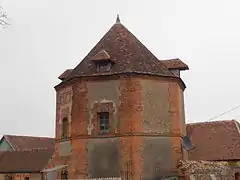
point(175, 66)
point(102, 62)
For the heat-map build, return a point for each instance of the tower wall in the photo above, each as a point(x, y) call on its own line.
point(146, 122)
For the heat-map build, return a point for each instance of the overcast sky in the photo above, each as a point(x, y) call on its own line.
point(48, 36)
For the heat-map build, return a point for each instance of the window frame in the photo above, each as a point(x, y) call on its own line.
point(103, 66)
point(64, 175)
point(103, 122)
point(8, 177)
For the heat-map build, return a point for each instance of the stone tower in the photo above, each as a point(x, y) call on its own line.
point(120, 112)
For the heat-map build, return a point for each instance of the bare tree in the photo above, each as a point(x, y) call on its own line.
point(3, 17)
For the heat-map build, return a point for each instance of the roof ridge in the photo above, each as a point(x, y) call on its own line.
point(12, 135)
point(173, 59)
point(210, 122)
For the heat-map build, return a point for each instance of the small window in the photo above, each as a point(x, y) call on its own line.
point(64, 175)
point(103, 67)
point(26, 178)
point(103, 118)
point(237, 176)
point(65, 127)
point(8, 177)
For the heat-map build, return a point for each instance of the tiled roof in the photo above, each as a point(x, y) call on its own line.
point(218, 140)
point(28, 142)
point(24, 161)
point(127, 53)
point(65, 74)
point(175, 64)
point(101, 55)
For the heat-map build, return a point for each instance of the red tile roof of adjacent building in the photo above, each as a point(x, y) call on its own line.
point(24, 161)
point(218, 140)
point(127, 53)
point(29, 142)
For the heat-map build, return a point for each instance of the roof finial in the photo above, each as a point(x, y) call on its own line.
point(118, 19)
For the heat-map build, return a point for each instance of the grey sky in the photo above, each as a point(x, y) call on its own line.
point(48, 36)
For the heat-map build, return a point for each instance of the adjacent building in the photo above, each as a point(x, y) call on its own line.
point(216, 141)
point(24, 157)
point(20, 143)
point(24, 165)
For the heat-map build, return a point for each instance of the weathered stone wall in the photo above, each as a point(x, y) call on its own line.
point(163, 115)
point(206, 170)
point(146, 122)
point(21, 176)
point(103, 157)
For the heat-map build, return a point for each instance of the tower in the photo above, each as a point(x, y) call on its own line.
point(120, 112)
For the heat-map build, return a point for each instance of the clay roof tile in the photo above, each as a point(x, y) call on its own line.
point(28, 161)
point(29, 142)
point(217, 140)
point(126, 51)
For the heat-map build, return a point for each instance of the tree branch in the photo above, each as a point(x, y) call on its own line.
point(3, 17)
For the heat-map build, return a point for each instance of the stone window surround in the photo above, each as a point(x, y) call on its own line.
point(103, 118)
point(102, 106)
point(65, 112)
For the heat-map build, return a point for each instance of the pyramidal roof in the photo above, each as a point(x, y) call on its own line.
point(127, 53)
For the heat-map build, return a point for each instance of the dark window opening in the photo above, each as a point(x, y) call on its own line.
point(26, 178)
point(237, 176)
point(103, 118)
point(104, 66)
point(8, 177)
point(64, 175)
point(65, 127)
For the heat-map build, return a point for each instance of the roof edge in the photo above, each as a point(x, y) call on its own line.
point(65, 74)
point(6, 137)
point(169, 63)
point(14, 172)
point(182, 84)
point(237, 125)
point(209, 122)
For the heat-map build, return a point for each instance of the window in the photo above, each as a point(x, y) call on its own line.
point(64, 175)
point(65, 127)
point(103, 67)
point(26, 178)
point(7, 177)
point(237, 176)
point(103, 118)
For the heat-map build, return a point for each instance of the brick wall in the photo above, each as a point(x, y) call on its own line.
point(147, 120)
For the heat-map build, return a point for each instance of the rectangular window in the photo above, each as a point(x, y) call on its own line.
point(103, 119)
point(65, 128)
point(64, 175)
point(103, 67)
point(7, 177)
